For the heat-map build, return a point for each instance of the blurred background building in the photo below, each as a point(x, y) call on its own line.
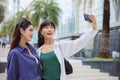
point(72, 24)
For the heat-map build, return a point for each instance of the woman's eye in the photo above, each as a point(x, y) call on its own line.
point(31, 29)
point(52, 27)
point(45, 27)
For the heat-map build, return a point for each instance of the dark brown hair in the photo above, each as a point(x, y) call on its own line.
point(23, 23)
point(40, 36)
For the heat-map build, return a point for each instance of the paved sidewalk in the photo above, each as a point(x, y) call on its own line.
point(3, 58)
point(4, 53)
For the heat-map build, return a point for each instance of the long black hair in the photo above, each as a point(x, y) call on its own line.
point(23, 23)
point(40, 36)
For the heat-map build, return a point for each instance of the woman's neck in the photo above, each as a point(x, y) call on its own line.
point(48, 41)
point(23, 43)
point(47, 46)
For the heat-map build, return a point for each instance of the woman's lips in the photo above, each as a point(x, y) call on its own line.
point(49, 33)
point(31, 36)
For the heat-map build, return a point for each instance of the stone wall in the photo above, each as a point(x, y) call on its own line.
point(114, 40)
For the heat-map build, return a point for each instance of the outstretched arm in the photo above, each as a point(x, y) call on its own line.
point(69, 48)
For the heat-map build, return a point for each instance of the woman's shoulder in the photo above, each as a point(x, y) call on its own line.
point(60, 42)
point(18, 49)
point(13, 52)
point(57, 42)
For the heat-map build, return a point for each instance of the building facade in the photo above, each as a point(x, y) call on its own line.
point(91, 7)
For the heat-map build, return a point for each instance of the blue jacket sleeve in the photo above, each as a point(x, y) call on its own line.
point(12, 70)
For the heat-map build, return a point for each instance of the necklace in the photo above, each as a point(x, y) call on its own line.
point(47, 48)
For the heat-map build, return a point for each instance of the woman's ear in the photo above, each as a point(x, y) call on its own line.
point(21, 30)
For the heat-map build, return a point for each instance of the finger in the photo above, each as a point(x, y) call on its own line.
point(92, 17)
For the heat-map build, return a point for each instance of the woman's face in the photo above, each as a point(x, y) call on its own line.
point(27, 33)
point(48, 32)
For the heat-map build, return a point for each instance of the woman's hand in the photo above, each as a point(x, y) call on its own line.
point(93, 23)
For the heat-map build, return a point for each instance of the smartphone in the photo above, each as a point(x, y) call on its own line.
point(87, 18)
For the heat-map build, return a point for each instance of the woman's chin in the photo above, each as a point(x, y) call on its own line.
point(29, 39)
point(49, 37)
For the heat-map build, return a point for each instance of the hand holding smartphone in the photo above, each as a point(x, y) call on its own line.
point(87, 18)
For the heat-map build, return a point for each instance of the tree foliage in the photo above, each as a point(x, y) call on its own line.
point(44, 9)
point(35, 12)
point(2, 10)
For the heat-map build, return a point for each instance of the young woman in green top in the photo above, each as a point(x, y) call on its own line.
point(50, 52)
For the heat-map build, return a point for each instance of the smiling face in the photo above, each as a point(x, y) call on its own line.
point(48, 31)
point(27, 33)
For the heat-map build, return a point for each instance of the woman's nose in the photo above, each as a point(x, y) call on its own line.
point(49, 29)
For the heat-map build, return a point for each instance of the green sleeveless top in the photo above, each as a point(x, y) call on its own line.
point(50, 66)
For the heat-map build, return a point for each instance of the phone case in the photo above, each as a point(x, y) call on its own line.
point(87, 18)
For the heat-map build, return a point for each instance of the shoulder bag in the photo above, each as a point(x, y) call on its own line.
point(68, 66)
